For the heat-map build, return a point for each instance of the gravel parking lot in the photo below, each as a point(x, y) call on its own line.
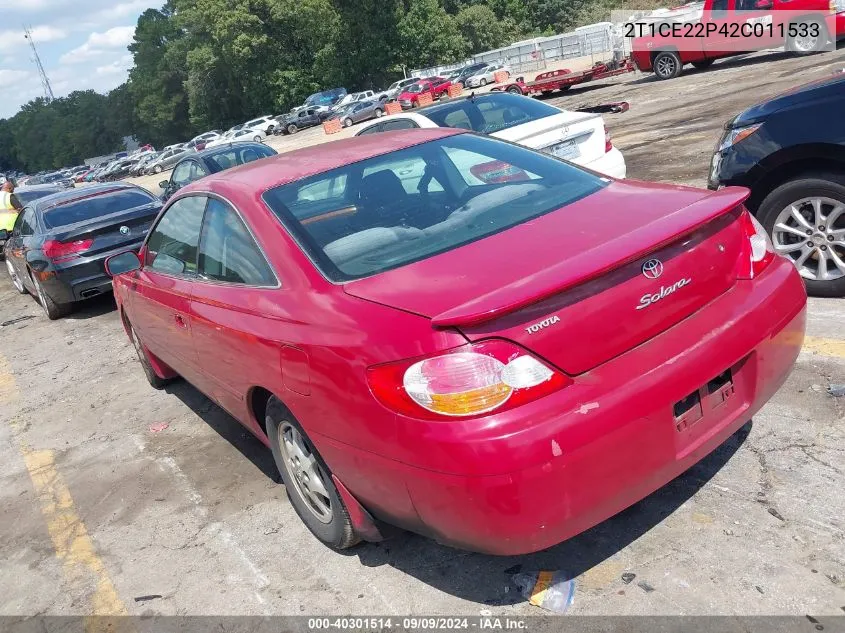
point(114, 492)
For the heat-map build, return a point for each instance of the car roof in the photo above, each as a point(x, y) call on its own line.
point(310, 161)
point(72, 195)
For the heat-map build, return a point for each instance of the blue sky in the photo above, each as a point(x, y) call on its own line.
point(82, 44)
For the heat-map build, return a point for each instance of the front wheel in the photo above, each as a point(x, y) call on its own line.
point(347, 122)
point(307, 479)
point(667, 65)
point(158, 169)
point(515, 90)
point(257, 139)
point(16, 282)
point(805, 218)
point(156, 381)
point(379, 113)
point(292, 129)
point(483, 82)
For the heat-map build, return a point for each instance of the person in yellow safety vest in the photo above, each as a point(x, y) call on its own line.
point(9, 206)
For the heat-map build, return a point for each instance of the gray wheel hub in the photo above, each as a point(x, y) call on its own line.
point(666, 65)
point(811, 232)
point(309, 478)
point(15, 280)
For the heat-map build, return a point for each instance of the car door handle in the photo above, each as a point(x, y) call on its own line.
point(180, 321)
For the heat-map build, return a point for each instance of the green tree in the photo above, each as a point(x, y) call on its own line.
point(482, 30)
point(429, 36)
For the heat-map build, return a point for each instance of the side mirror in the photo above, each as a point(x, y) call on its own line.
point(122, 263)
point(4, 234)
point(164, 184)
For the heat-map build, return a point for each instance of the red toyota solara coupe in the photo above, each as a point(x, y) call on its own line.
point(460, 336)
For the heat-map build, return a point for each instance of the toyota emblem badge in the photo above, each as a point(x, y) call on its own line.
point(652, 269)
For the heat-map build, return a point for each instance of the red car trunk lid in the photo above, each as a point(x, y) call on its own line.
point(573, 285)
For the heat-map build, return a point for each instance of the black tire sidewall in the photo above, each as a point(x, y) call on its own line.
point(832, 186)
point(824, 37)
point(337, 533)
point(52, 309)
point(156, 382)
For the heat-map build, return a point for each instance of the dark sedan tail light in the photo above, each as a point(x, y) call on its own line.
point(59, 252)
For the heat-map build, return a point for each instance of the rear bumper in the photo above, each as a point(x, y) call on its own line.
point(82, 278)
point(600, 445)
point(612, 164)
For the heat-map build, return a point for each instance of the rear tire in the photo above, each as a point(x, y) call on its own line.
point(809, 45)
point(52, 309)
point(158, 169)
point(666, 65)
point(299, 463)
point(292, 129)
point(379, 113)
point(830, 186)
point(156, 381)
point(347, 123)
point(515, 90)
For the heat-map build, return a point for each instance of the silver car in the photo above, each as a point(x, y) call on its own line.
point(359, 111)
point(167, 160)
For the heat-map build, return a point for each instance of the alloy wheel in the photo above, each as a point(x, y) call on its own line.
point(805, 44)
point(666, 66)
point(811, 232)
point(305, 472)
point(15, 279)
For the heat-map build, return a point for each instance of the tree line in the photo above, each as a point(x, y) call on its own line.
point(203, 64)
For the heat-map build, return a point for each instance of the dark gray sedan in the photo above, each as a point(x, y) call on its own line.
point(360, 111)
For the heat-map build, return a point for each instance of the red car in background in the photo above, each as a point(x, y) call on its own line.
point(461, 336)
point(733, 27)
point(435, 87)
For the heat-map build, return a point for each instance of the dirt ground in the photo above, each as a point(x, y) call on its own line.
point(116, 498)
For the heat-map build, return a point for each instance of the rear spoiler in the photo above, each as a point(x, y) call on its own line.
point(594, 263)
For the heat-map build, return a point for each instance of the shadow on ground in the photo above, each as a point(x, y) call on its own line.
point(477, 577)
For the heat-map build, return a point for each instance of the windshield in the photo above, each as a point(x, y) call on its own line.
point(95, 207)
point(490, 114)
point(391, 210)
point(415, 88)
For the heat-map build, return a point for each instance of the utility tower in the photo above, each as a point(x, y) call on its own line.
point(45, 81)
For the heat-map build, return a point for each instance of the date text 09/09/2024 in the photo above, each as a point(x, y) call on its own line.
point(417, 623)
point(730, 30)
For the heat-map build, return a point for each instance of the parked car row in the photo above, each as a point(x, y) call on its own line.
point(375, 309)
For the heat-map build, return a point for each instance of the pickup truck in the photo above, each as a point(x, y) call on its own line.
point(731, 27)
point(434, 86)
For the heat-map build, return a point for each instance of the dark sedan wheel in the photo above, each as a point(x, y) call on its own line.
point(52, 309)
point(156, 382)
point(292, 129)
point(16, 282)
point(667, 65)
point(379, 113)
point(307, 479)
point(347, 122)
point(805, 218)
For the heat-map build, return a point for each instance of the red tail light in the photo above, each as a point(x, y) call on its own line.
point(59, 252)
point(471, 380)
point(758, 251)
point(608, 144)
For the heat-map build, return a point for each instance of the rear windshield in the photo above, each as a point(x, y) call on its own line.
point(25, 196)
point(237, 155)
point(490, 114)
point(95, 207)
point(391, 210)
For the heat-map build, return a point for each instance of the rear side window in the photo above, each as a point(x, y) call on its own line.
point(399, 124)
point(228, 251)
point(95, 207)
point(490, 114)
point(408, 205)
point(237, 155)
point(172, 245)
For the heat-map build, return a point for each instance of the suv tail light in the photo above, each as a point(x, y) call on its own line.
point(758, 251)
point(59, 252)
point(470, 380)
point(608, 144)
